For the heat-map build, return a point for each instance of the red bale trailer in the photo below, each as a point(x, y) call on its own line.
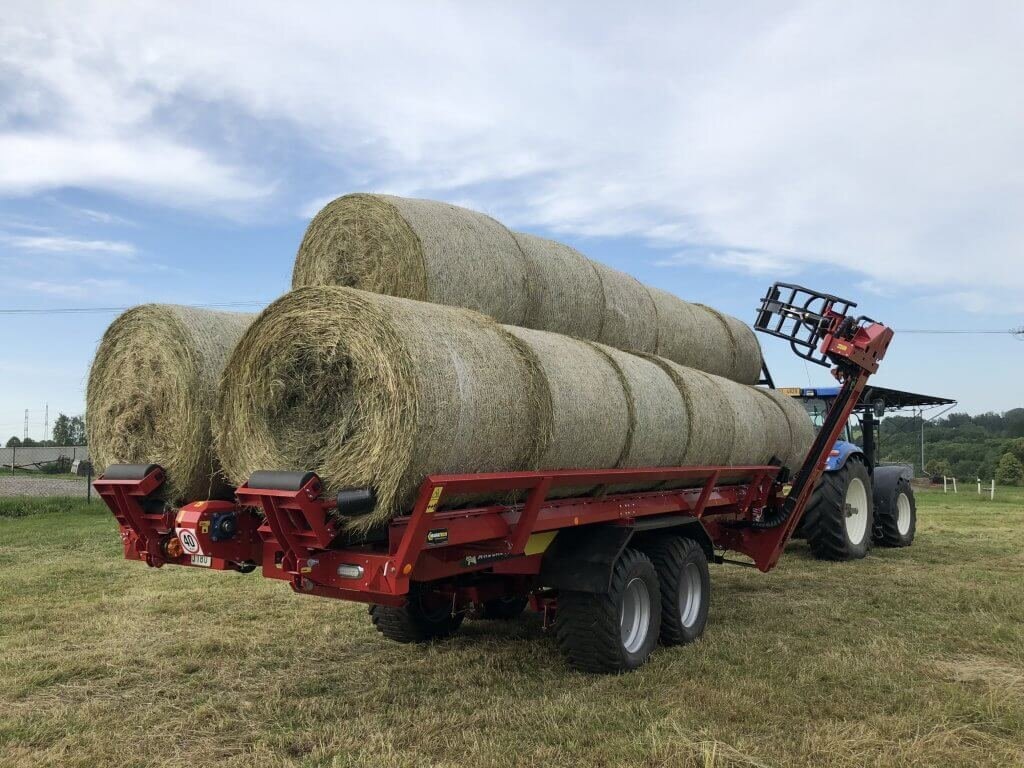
point(612, 573)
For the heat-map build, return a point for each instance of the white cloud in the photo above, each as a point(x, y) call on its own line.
point(62, 244)
point(881, 139)
point(78, 289)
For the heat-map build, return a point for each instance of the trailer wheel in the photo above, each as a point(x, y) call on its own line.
point(896, 517)
point(423, 618)
point(612, 631)
point(838, 520)
point(682, 569)
point(504, 608)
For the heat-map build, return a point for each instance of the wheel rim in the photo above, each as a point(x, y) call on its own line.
point(856, 510)
point(691, 595)
point(903, 514)
point(635, 616)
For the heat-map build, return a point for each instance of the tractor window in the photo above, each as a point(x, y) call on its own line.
point(817, 409)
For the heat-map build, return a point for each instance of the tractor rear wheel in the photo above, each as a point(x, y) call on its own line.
point(685, 584)
point(424, 617)
point(896, 517)
point(838, 520)
point(616, 630)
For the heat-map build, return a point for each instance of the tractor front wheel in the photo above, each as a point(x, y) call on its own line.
point(896, 516)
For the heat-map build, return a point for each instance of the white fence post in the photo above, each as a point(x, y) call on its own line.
point(992, 490)
point(979, 486)
point(954, 486)
point(943, 483)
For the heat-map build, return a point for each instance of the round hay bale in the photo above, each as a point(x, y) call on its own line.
point(417, 249)
point(565, 289)
point(432, 251)
point(371, 390)
point(630, 320)
point(801, 432)
point(591, 413)
point(698, 337)
point(152, 388)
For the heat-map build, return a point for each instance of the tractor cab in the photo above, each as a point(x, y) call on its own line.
point(836, 524)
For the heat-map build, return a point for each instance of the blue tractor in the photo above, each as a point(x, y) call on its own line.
point(857, 502)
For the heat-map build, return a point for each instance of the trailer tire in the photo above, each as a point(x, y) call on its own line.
point(416, 621)
point(504, 608)
point(616, 630)
point(685, 583)
point(838, 520)
point(896, 517)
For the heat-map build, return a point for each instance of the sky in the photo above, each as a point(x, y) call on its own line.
point(175, 152)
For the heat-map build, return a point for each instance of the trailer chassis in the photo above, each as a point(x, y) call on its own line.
point(459, 560)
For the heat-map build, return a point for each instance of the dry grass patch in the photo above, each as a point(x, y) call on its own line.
point(105, 662)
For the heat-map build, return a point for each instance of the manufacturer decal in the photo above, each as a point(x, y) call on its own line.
point(437, 536)
point(490, 557)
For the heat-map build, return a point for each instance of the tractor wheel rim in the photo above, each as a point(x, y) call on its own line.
point(635, 617)
point(691, 595)
point(903, 514)
point(856, 511)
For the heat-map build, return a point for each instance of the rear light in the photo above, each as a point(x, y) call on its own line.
point(833, 452)
point(346, 571)
point(173, 548)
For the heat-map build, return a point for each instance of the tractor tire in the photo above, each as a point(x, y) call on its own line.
point(612, 631)
point(418, 621)
point(838, 518)
point(682, 568)
point(896, 516)
point(504, 608)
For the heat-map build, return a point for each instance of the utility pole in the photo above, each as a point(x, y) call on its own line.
point(46, 422)
point(24, 435)
point(921, 414)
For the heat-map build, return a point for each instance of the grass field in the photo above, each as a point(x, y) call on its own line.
point(909, 658)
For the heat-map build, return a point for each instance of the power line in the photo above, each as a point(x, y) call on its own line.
point(1010, 331)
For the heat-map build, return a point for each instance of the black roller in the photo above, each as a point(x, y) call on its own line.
point(129, 471)
point(356, 501)
point(274, 480)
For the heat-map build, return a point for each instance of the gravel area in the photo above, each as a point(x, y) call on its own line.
point(26, 485)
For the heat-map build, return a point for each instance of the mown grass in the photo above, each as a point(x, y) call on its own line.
point(911, 657)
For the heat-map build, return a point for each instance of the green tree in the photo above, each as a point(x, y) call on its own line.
point(14, 442)
point(62, 430)
point(69, 430)
point(78, 436)
point(938, 467)
point(1016, 447)
point(1010, 471)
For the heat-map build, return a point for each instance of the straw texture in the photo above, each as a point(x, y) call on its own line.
point(433, 251)
point(152, 388)
point(373, 390)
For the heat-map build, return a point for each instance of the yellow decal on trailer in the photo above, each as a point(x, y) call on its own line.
point(435, 498)
point(539, 542)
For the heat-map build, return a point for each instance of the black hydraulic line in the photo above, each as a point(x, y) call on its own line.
point(822, 444)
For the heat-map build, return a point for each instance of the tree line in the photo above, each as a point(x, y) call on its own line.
point(986, 446)
point(67, 430)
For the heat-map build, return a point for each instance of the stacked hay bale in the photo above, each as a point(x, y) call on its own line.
point(436, 252)
point(373, 390)
point(152, 389)
point(383, 388)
